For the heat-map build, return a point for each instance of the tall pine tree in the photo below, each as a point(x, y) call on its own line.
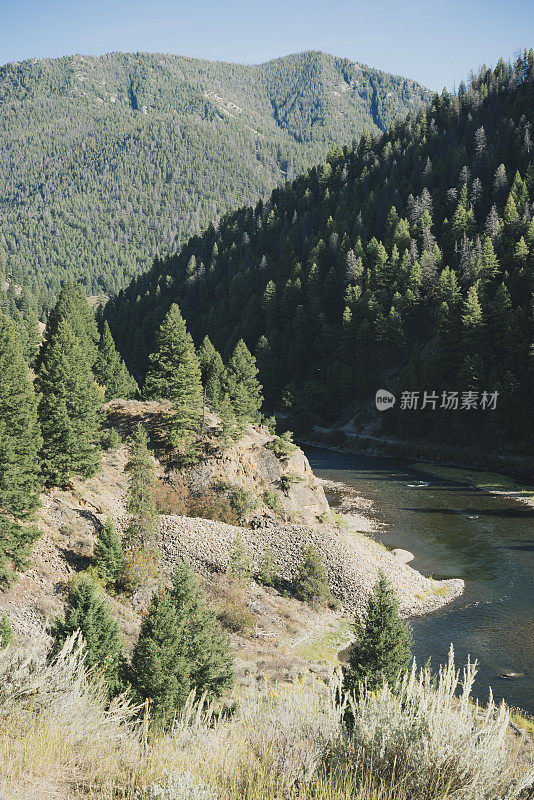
point(243, 386)
point(20, 435)
point(383, 641)
point(174, 374)
point(88, 612)
point(180, 647)
point(72, 307)
point(110, 370)
point(213, 373)
point(141, 483)
point(68, 409)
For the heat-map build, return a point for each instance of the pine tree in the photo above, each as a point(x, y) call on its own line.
point(20, 435)
point(228, 429)
point(243, 387)
point(159, 671)
point(383, 641)
point(174, 374)
point(110, 370)
point(68, 409)
point(89, 613)
point(141, 483)
point(7, 636)
point(16, 545)
point(206, 647)
point(72, 307)
point(213, 373)
point(311, 583)
point(108, 555)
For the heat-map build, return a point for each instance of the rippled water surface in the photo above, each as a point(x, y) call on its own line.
point(455, 531)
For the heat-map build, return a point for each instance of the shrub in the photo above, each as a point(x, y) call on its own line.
point(233, 614)
point(177, 787)
point(176, 498)
point(282, 446)
point(243, 502)
point(287, 481)
point(436, 742)
point(111, 439)
point(172, 498)
point(141, 569)
point(311, 584)
point(271, 499)
point(239, 568)
point(267, 568)
point(6, 632)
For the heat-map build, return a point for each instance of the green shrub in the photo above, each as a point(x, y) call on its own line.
point(287, 480)
point(239, 568)
point(267, 568)
point(243, 502)
point(7, 636)
point(282, 446)
point(271, 499)
point(311, 584)
point(111, 439)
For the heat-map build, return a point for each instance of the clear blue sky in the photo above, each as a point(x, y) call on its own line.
point(436, 42)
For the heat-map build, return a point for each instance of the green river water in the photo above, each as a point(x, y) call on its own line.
point(456, 531)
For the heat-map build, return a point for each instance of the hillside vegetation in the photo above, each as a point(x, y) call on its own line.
point(406, 259)
point(106, 161)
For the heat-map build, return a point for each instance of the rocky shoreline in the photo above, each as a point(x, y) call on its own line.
point(352, 561)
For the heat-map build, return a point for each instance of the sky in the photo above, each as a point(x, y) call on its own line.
point(436, 42)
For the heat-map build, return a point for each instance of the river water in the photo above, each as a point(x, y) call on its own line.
point(456, 531)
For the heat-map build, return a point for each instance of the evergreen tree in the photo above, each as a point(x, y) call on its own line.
point(213, 373)
point(228, 428)
point(110, 370)
point(206, 647)
point(20, 435)
point(72, 307)
point(108, 555)
point(89, 613)
point(68, 409)
point(7, 636)
point(159, 671)
point(141, 483)
point(174, 374)
point(311, 583)
point(382, 641)
point(243, 387)
point(16, 544)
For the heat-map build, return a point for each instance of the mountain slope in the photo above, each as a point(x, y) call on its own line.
point(405, 262)
point(106, 161)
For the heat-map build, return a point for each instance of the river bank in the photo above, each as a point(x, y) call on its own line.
point(455, 529)
point(519, 468)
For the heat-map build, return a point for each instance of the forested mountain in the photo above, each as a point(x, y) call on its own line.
point(105, 162)
point(405, 262)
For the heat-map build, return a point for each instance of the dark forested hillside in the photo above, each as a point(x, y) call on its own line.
point(405, 262)
point(105, 162)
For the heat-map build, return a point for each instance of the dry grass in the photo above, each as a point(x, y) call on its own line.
point(59, 740)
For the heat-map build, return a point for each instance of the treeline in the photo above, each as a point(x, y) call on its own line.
point(51, 402)
point(404, 262)
point(106, 162)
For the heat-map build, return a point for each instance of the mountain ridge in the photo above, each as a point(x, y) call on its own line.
point(107, 161)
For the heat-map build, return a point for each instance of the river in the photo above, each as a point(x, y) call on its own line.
point(456, 531)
